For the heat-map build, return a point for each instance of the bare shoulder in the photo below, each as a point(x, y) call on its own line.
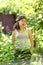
point(30, 33)
point(13, 32)
point(29, 30)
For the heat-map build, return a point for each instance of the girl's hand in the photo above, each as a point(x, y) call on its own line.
point(31, 50)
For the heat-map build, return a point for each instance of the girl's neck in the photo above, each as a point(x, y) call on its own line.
point(21, 30)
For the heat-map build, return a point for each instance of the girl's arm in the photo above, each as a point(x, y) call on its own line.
point(31, 40)
point(13, 39)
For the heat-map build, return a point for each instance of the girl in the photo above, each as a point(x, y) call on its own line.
point(22, 37)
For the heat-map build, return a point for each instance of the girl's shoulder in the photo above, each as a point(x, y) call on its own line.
point(14, 31)
point(28, 29)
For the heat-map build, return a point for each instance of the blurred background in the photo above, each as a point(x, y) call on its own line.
point(33, 10)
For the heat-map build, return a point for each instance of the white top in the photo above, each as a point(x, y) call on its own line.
point(22, 40)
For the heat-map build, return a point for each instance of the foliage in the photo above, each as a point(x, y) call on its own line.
point(33, 10)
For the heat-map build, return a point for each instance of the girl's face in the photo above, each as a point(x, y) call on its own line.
point(22, 22)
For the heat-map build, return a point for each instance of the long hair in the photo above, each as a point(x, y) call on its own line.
point(16, 25)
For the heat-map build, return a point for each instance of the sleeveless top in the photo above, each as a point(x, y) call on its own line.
point(22, 40)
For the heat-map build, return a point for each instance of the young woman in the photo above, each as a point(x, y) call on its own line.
point(22, 37)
